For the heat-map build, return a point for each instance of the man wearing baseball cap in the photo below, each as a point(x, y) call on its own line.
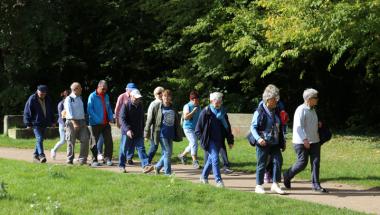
point(123, 100)
point(38, 114)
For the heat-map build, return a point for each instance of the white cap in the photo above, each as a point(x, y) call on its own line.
point(136, 93)
point(216, 96)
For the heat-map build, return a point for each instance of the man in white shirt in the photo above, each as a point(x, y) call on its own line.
point(76, 127)
point(306, 140)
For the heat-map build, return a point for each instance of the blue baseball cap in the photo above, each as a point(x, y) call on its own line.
point(131, 86)
point(42, 88)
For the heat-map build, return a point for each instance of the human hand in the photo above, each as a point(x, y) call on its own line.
point(130, 134)
point(262, 142)
point(230, 146)
point(306, 144)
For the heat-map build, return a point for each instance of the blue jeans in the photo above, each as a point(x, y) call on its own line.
point(139, 143)
point(193, 141)
point(262, 154)
point(212, 163)
point(152, 150)
point(167, 149)
point(61, 137)
point(39, 133)
point(131, 148)
point(223, 155)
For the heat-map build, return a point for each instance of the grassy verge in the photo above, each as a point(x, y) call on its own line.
point(346, 159)
point(51, 189)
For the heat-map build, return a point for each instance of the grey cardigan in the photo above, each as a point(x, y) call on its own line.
point(154, 122)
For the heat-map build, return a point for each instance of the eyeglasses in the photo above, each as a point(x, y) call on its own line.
point(315, 97)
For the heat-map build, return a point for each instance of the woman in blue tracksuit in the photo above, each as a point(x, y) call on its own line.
point(266, 128)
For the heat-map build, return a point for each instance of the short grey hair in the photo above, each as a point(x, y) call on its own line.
point(309, 93)
point(158, 90)
point(102, 83)
point(271, 91)
point(216, 96)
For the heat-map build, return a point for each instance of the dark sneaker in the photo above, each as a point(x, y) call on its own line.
point(69, 162)
point(156, 170)
point(182, 159)
point(122, 170)
point(130, 162)
point(36, 158)
point(43, 159)
point(287, 182)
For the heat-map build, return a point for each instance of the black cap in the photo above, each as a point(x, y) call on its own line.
point(42, 88)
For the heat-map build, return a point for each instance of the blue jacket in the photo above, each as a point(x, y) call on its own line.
point(33, 114)
point(203, 129)
point(262, 126)
point(95, 109)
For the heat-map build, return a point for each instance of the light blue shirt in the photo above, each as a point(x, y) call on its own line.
point(191, 123)
point(305, 125)
point(73, 106)
point(270, 133)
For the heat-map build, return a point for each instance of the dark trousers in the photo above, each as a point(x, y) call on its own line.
point(302, 158)
point(262, 154)
point(105, 130)
point(152, 150)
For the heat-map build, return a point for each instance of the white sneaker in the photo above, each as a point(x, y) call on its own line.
point(203, 180)
point(94, 164)
point(100, 157)
point(53, 154)
point(277, 189)
point(220, 184)
point(259, 189)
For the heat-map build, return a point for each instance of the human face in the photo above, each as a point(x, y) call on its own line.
point(313, 101)
point(77, 90)
point(167, 100)
point(102, 89)
point(41, 95)
point(217, 103)
point(158, 95)
point(195, 101)
point(135, 100)
point(271, 103)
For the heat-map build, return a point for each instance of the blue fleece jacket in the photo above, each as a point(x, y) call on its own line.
point(95, 109)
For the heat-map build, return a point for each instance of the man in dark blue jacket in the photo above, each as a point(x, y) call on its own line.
point(38, 114)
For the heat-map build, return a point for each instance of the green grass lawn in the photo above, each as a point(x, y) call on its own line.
point(57, 189)
point(346, 159)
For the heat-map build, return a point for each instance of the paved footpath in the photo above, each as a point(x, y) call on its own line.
point(341, 195)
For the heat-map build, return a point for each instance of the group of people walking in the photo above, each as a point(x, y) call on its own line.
point(163, 125)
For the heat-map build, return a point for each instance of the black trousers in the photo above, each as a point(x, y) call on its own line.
point(105, 130)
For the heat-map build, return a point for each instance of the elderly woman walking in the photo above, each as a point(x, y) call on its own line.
point(306, 141)
point(212, 129)
point(266, 128)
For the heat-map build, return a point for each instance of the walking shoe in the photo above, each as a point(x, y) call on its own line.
point(130, 162)
point(182, 159)
point(95, 164)
point(100, 157)
point(220, 184)
point(156, 170)
point(109, 162)
point(276, 189)
point(122, 170)
point(43, 159)
point(227, 171)
point(259, 189)
point(69, 162)
point(203, 180)
point(287, 182)
point(147, 169)
point(196, 164)
point(82, 162)
point(53, 154)
point(36, 158)
point(320, 190)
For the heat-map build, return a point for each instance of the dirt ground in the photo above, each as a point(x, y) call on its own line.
point(340, 195)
